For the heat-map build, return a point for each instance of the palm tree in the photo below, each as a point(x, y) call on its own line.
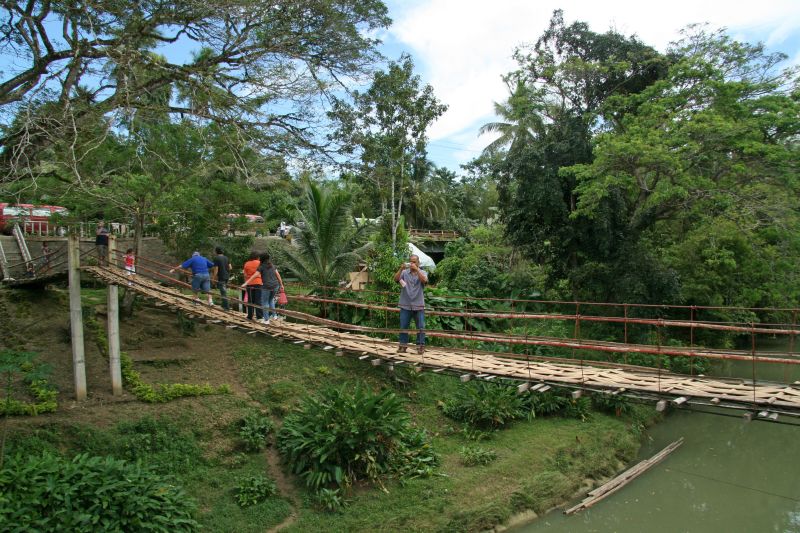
point(522, 120)
point(328, 244)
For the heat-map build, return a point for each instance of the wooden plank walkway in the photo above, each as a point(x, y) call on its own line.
point(648, 383)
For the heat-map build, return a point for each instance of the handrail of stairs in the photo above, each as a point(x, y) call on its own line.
point(23, 246)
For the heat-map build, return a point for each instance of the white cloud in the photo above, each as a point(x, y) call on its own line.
point(463, 47)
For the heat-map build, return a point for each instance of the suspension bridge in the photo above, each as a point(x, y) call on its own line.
point(465, 354)
point(377, 346)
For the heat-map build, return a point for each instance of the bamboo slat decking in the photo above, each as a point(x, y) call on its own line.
point(645, 382)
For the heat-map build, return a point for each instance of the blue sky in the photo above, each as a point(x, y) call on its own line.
point(463, 47)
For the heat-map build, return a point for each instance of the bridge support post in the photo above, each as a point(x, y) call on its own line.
point(113, 327)
point(76, 316)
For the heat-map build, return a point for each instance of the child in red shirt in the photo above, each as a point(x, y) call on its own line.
point(130, 263)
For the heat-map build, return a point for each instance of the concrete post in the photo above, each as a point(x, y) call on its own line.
point(76, 316)
point(113, 326)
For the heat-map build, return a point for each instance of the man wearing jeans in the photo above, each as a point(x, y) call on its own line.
point(222, 266)
point(412, 281)
point(201, 279)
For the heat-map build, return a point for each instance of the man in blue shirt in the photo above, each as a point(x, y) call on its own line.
point(201, 278)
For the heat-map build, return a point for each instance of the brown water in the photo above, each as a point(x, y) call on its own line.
point(729, 476)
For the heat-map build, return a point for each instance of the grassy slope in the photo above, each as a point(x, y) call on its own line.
point(540, 463)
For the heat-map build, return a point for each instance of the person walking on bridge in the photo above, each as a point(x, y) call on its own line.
point(412, 281)
point(222, 268)
point(253, 284)
point(201, 279)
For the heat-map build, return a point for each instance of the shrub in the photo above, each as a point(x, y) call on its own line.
point(255, 489)
point(88, 493)
point(610, 403)
point(344, 435)
point(254, 429)
point(476, 456)
point(486, 405)
point(330, 500)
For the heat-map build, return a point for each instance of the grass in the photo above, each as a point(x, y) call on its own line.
point(539, 463)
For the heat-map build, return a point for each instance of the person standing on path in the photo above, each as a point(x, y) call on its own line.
point(201, 279)
point(101, 243)
point(253, 286)
point(272, 283)
point(222, 269)
point(412, 281)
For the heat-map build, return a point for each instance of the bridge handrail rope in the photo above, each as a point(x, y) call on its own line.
point(733, 392)
point(652, 321)
point(500, 338)
point(176, 281)
point(542, 341)
point(589, 318)
point(553, 342)
point(38, 258)
point(572, 302)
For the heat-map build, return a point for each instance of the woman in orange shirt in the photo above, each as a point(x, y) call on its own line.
point(253, 286)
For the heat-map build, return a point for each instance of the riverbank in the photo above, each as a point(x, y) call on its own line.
point(539, 463)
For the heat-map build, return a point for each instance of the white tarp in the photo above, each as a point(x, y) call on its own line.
point(425, 260)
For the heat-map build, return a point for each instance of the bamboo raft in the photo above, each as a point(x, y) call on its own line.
point(612, 486)
point(535, 374)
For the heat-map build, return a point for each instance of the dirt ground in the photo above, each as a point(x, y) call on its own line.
point(38, 321)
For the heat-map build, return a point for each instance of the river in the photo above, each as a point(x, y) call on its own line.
point(729, 476)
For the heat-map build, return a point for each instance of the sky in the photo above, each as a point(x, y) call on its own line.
point(463, 47)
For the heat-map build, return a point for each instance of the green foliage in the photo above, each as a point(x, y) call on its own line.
point(15, 365)
point(255, 489)
point(254, 429)
point(610, 403)
point(49, 493)
point(330, 500)
point(157, 442)
point(476, 456)
point(162, 392)
point(327, 245)
point(346, 434)
point(486, 405)
point(384, 257)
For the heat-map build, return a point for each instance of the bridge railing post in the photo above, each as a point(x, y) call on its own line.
point(113, 325)
point(76, 316)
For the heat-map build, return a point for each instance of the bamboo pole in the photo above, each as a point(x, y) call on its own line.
point(610, 487)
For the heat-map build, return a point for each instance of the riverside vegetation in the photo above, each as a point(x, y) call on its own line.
point(305, 440)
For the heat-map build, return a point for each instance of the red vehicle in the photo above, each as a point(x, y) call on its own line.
point(31, 218)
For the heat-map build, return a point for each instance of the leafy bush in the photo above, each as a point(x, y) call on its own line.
point(610, 403)
point(476, 456)
point(330, 500)
point(50, 493)
point(559, 402)
point(344, 435)
point(255, 489)
point(15, 364)
point(486, 405)
point(254, 429)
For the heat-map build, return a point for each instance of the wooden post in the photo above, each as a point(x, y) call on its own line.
point(113, 327)
point(76, 316)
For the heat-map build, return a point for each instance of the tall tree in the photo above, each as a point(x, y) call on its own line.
point(559, 89)
point(387, 124)
point(706, 170)
point(257, 70)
